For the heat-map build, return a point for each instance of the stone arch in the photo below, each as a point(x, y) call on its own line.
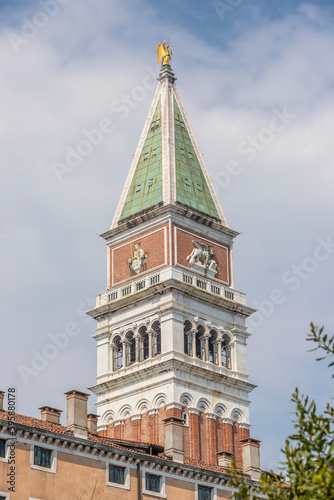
point(159, 400)
point(142, 326)
point(237, 415)
point(220, 410)
point(125, 412)
point(115, 337)
point(108, 417)
point(142, 406)
point(203, 405)
point(186, 399)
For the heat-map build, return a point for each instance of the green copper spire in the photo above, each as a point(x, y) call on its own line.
point(191, 187)
point(146, 185)
point(167, 168)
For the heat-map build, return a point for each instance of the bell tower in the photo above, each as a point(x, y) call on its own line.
point(171, 336)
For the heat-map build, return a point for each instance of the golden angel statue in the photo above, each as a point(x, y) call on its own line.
point(164, 53)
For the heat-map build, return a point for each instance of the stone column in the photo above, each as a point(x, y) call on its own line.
point(138, 340)
point(193, 343)
point(219, 352)
point(206, 346)
point(150, 343)
point(112, 354)
point(124, 352)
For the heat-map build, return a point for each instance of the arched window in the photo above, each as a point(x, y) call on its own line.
point(187, 337)
point(144, 347)
point(117, 353)
point(226, 351)
point(157, 338)
point(213, 353)
point(130, 349)
point(200, 348)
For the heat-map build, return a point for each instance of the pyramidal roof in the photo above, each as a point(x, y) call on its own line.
point(168, 167)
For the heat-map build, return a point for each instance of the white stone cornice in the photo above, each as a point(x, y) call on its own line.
point(243, 425)
point(135, 417)
point(154, 411)
point(211, 415)
point(170, 406)
point(118, 422)
point(227, 420)
point(194, 411)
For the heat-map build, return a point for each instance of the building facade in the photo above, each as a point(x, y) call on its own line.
point(172, 384)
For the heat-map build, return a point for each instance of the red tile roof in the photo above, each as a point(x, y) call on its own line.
point(60, 429)
point(37, 423)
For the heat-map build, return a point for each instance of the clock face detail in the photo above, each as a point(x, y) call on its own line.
point(202, 258)
point(138, 260)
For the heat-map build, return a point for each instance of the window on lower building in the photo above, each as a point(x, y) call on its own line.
point(153, 483)
point(204, 493)
point(116, 474)
point(2, 449)
point(42, 457)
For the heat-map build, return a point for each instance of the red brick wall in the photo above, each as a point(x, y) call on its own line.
point(194, 436)
point(211, 433)
point(203, 438)
point(184, 247)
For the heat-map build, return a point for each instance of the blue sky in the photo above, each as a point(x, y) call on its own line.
point(236, 73)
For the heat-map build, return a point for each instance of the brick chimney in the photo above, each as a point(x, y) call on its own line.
point(77, 413)
point(92, 423)
point(51, 415)
point(251, 457)
point(2, 395)
point(174, 438)
point(225, 458)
